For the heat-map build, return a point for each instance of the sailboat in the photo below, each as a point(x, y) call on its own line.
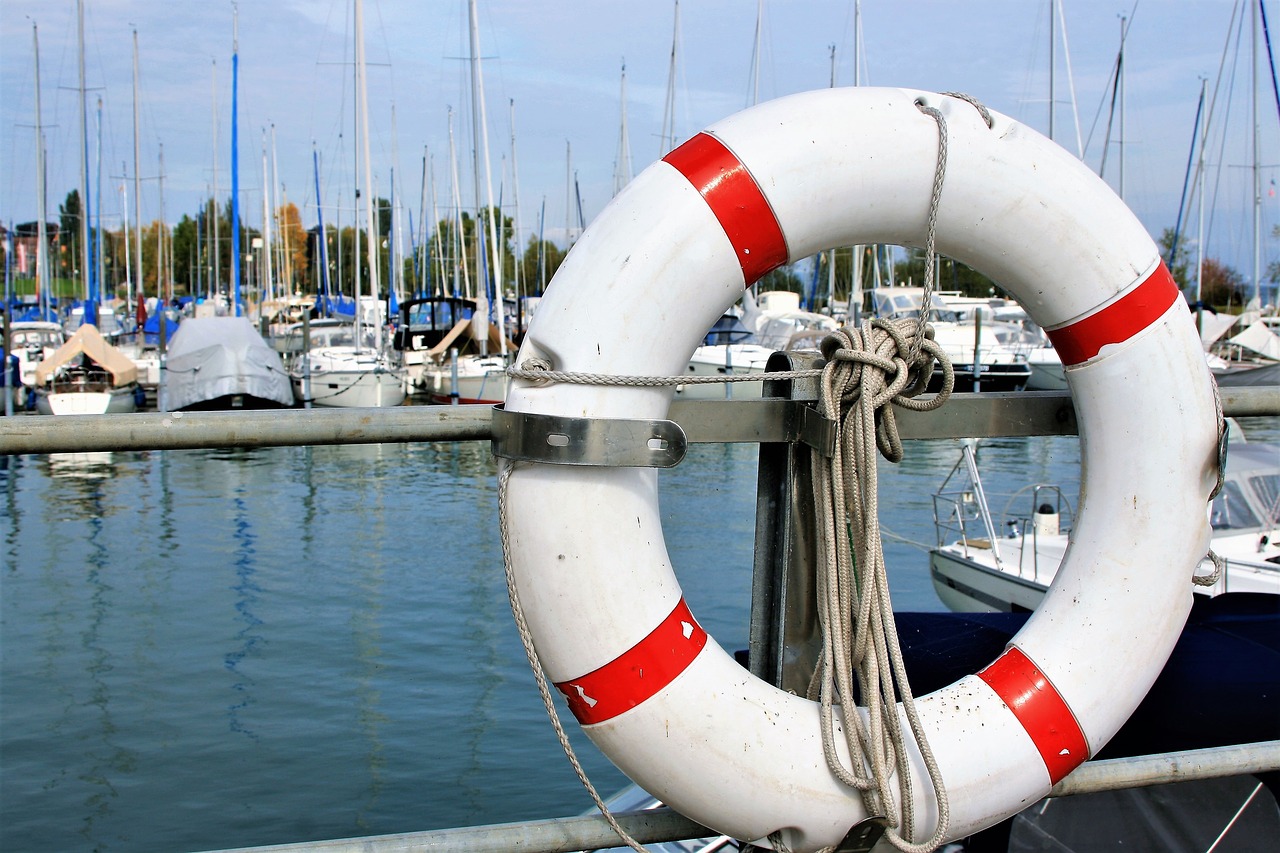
point(463, 368)
point(86, 376)
point(343, 365)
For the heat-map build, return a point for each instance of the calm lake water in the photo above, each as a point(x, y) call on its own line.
point(213, 649)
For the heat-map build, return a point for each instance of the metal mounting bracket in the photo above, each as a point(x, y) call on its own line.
point(604, 442)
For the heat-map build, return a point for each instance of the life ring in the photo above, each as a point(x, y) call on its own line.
point(665, 259)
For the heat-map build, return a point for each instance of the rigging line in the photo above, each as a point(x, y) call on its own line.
point(1271, 59)
point(1186, 181)
point(1226, 119)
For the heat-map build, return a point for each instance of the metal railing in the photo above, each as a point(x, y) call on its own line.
point(569, 834)
point(1020, 413)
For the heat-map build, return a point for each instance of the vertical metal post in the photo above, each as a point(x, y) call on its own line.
point(306, 357)
point(453, 377)
point(784, 640)
point(9, 361)
point(162, 401)
point(728, 369)
point(977, 350)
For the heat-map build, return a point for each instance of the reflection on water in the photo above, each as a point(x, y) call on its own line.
point(210, 649)
point(247, 637)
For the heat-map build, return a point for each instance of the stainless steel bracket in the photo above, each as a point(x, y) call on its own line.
point(606, 442)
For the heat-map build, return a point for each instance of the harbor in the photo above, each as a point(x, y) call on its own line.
point(873, 471)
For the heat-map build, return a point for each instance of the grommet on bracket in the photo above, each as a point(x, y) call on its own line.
point(601, 442)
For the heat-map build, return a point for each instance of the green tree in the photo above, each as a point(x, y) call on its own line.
point(1220, 285)
point(68, 261)
point(1273, 268)
point(1180, 267)
point(952, 275)
point(186, 254)
point(539, 263)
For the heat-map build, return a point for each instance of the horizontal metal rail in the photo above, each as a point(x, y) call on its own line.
point(1018, 413)
point(564, 835)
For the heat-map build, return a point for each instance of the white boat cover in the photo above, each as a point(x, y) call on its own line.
point(88, 341)
point(1214, 326)
point(212, 357)
point(1260, 339)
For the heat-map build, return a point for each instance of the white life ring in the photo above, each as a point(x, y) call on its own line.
point(665, 259)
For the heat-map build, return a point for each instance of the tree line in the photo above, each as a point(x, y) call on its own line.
point(193, 258)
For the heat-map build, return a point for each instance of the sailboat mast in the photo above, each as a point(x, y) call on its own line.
point(217, 214)
point(284, 254)
point(1123, 72)
point(460, 245)
point(495, 241)
point(422, 254)
point(362, 98)
point(482, 284)
point(515, 200)
point(235, 157)
point(755, 56)
point(857, 45)
point(324, 236)
point(165, 293)
point(86, 258)
point(668, 139)
point(99, 271)
point(137, 189)
point(1053, 37)
point(42, 249)
point(1203, 132)
point(124, 218)
point(1257, 175)
point(622, 169)
point(268, 282)
point(395, 267)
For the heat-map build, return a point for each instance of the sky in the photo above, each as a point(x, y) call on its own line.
point(554, 71)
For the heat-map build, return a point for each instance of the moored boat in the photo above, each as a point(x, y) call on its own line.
point(32, 342)
point(86, 376)
point(986, 561)
point(449, 353)
point(223, 363)
point(992, 356)
point(335, 368)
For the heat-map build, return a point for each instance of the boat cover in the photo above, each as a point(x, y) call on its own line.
point(1258, 338)
point(213, 357)
point(88, 341)
point(1221, 685)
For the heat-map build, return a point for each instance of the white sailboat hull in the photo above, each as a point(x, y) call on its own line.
point(341, 378)
point(114, 401)
point(479, 379)
point(725, 360)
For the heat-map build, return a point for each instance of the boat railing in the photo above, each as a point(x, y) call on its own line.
point(783, 639)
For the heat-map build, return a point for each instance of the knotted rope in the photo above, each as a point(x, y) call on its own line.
point(868, 372)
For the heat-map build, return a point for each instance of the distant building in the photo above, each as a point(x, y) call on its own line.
point(26, 237)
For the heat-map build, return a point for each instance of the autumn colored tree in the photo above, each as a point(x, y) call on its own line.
point(1221, 286)
point(293, 242)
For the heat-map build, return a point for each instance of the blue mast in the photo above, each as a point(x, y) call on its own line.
point(324, 236)
point(86, 230)
point(235, 157)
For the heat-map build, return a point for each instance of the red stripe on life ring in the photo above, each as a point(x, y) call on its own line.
point(737, 202)
point(1119, 321)
point(639, 672)
point(1041, 710)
